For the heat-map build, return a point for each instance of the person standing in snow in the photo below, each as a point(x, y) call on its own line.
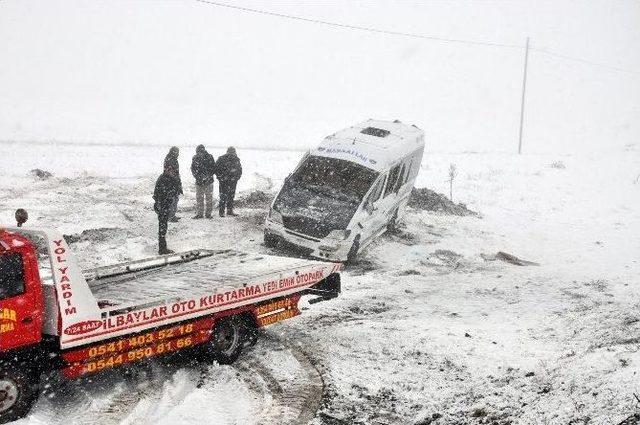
point(166, 191)
point(228, 171)
point(172, 160)
point(203, 168)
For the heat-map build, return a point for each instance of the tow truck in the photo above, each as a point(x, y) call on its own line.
point(55, 317)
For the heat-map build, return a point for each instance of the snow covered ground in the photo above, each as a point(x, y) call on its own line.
point(427, 329)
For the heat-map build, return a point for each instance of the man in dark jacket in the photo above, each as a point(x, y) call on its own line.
point(203, 168)
point(172, 160)
point(166, 190)
point(228, 171)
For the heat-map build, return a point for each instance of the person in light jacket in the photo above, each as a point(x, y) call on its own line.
point(203, 168)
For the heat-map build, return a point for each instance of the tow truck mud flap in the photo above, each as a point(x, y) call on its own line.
point(286, 308)
point(131, 349)
point(277, 311)
point(327, 289)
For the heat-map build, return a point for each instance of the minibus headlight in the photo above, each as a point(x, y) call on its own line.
point(275, 216)
point(341, 235)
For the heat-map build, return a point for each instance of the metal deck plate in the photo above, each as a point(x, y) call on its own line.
point(221, 271)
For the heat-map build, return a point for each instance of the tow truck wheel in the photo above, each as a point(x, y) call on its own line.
point(227, 340)
point(18, 393)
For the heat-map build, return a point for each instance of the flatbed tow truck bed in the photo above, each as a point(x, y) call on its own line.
point(210, 272)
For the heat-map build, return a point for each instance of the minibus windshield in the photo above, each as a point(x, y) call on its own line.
point(334, 177)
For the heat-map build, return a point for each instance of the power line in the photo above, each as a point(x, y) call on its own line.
point(414, 35)
point(585, 61)
point(362, 28)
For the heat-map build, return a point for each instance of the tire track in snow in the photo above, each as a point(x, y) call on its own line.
point(286, 387)
point(101, 399)
point(294, 389)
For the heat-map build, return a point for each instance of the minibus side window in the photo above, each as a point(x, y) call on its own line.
point(393, 179)
point(11, 276)
point(401, 179)
point(406, 177)
point(377, 191)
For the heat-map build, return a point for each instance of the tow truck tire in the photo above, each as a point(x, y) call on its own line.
point(18, 392)
point(227, 340)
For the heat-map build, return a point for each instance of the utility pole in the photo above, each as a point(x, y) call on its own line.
point(524, 91)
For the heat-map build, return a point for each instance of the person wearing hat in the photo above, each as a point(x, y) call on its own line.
point(166, 191)
point(203, 168)
point(172, 160)
point(228, 171)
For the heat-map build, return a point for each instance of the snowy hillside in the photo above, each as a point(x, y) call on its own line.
point(430, 327)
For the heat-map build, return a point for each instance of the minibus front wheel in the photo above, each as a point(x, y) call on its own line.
point(270, 240)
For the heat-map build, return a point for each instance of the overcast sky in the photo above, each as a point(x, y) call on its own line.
point(185, 72)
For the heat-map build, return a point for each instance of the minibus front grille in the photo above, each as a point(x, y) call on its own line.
point(307, 226)
point(307, 237)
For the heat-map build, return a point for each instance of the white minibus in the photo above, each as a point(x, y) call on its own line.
point(347, 191)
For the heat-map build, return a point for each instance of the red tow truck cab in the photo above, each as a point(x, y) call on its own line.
point(21, 302)
point(54, 316)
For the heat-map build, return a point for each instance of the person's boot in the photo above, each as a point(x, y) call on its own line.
point(207, 215)
point(230, 208)
point(221, 212)
point(198, 216)
point(162, 244)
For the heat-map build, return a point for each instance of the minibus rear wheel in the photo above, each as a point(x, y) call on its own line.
point(353, 252)
point(392, 226)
